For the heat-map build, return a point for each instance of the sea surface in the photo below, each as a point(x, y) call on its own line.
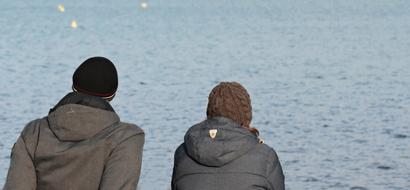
point(329, 79)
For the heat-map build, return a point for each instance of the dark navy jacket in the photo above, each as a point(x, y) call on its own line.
point(232, 160)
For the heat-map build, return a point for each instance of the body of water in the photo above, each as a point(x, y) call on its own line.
point(329, 80)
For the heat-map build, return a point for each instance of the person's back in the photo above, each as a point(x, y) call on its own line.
point(223, 153)
point(81, 144)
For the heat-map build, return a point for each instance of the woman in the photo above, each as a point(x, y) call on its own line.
point(224, 151)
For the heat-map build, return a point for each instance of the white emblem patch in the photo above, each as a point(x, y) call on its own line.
point(212, 133)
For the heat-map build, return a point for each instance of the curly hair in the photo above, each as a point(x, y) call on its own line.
point(231, 100)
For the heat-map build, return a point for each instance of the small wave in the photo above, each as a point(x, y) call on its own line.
point(400, 136)
point(358, 188)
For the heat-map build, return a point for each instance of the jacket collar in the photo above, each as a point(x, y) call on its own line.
point(85, 100)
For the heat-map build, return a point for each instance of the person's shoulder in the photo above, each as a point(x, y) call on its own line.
point(270, 157)
point(32, 127)
point(181, 156)
point(31, 132)
point(268, 151)
point(130, 128)
point(123, 132)
point(180, 150)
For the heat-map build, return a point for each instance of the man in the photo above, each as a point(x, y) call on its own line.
point(81, 144)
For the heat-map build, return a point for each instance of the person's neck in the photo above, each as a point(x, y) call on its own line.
point(84, 99)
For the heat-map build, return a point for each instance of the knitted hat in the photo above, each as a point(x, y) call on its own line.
point(96, 76)
point(231, 100)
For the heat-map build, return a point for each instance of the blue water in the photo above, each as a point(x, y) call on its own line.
point(329, 80)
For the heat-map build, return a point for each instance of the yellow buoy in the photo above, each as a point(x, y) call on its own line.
point(74, 24)
point(61, 8)
point(144, 5)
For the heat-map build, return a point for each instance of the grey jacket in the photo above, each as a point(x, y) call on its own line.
point(232, 160)
point(77, 147)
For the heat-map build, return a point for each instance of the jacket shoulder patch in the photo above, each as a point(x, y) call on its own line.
point(213, 132)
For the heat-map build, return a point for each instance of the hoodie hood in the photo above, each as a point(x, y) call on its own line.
point(74, 122)
point(218, 141)
point(83, 99)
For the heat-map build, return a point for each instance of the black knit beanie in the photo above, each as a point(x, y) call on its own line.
point(96, 76)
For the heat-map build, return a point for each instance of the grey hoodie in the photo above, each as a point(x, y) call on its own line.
point(232, 160)
point(77, 147)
